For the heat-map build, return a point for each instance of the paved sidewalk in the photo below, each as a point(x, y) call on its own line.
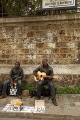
point(68, 105)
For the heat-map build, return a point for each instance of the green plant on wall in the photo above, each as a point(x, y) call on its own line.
point(12, 7)
point(59, 90)
point(21, 7)
point(68, 90)
point(27, 7)
point(0, 6)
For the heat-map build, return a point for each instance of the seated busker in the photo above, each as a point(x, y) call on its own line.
point(44, 75)
point(16, 76)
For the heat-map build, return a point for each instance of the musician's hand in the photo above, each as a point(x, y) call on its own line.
point(35, 78)
point(16, 79)
point(11, 82)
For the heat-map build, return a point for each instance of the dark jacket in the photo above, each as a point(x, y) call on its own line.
point(16, 73)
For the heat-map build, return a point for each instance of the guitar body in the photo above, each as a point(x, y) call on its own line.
point(42, 75)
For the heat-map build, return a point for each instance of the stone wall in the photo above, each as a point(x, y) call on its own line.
point(30, 39)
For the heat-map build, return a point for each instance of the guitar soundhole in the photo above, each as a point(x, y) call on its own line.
point(40, 75)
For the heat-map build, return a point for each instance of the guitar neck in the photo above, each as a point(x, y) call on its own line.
point(47, 76)
point(54, 76)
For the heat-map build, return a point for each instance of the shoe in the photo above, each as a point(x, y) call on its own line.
point(54, 102)
point(20, 97)
point(3, 96)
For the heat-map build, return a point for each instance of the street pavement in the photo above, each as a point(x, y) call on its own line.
point(68, 105)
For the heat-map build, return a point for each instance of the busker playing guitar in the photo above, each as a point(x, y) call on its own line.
point(45, 68)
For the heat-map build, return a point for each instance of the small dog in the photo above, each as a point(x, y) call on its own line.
point(45, 92)
point(33, 93)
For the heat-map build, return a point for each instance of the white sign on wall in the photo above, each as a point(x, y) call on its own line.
point(59, 4)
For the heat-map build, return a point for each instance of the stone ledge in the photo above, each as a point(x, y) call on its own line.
point(41, 18)
point(58, 69)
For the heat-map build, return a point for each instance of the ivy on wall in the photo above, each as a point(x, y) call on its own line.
point(12, 8)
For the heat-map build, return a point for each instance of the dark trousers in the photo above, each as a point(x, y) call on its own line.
point(5, 85)
point(40, 84)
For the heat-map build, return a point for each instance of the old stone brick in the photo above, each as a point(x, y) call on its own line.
point(71, 44)
point(41, 34)
point(75, 77)
point(64, 61)
point(32, 40)
point(61, 44)
point(51, 45)
point(77, 24)
point(70, 61)
point(71, 55)
point(31, 61)
point(55, 39)
point(74, 82)
point(66, 50)
point(31, 45)
point(24, 62)
point(41, 45)
point(62, 55)
point(49, 26)
point(9, 61)
point(30, 34)
point(7, 51)
point(39, 40)
point(68, 77)
point(2, 40)
point(62, 32)
point(63, 50)
point(26, 51)
point(56, 50)
point(78, 82)
point(53, 60)
point(30, 79)
point(33, 51)
point(42, 27)
point(5, 56)
point(30, 57)
point(77, 31)
point(78, 45)
point(44, 51)
point(25, 93)
point(2, 61)
point(67, 38)
point(75, 38)
point(3, 77)
point(35, 27)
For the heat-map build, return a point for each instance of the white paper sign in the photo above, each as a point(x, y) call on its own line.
point(47, 4)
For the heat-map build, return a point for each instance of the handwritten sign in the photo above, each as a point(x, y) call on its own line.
point(39, 106)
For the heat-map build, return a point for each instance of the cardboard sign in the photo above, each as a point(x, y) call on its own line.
point(39, 106)
point(39, 103)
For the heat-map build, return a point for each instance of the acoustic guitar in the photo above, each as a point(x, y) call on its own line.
point(42, 75)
